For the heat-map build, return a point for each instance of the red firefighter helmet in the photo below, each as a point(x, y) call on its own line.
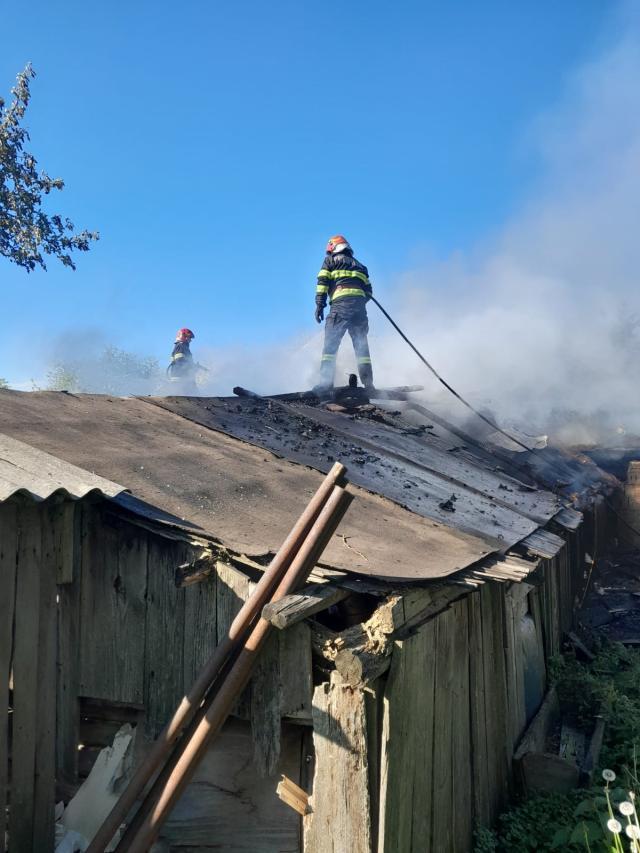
point(184, 335)
point(337, 244)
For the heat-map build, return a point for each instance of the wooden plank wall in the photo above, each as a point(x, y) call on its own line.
point(434, 735)
point(455, 705)
point(31, 556)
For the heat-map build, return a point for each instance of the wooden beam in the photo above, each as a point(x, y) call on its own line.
point(358, 667)
point(360, 653)
point(341, 817)
point(293, 796)
point(294, 608)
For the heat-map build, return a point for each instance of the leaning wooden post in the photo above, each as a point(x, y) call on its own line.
point(139, 839)
point(239, 628)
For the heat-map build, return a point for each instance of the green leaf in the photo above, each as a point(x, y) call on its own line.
point(561, 837)
point(584, 808)
point(586, 829)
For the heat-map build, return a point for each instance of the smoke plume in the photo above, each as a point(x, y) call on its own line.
point(543, 325)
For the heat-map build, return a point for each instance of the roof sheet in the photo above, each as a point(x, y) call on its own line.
point(239, 470)
point(29, 471)
point(212, 483)
point(430, 472)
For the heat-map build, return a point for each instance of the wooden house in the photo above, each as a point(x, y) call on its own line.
point(393, 689)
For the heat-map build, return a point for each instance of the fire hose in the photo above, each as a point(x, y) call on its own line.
point(443, 381)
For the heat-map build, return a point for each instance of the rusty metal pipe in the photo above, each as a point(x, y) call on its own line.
point(141, 837)
point(239, 627)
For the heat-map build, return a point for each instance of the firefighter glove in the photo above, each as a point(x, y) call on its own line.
point(319, 313)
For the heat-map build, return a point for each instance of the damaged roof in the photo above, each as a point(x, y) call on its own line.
point(239, 471)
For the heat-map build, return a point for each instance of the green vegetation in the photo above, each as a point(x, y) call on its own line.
point(598, 819)
point(27, 233)
point(611, 686)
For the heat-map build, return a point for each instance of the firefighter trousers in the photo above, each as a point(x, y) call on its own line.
point(346, 315)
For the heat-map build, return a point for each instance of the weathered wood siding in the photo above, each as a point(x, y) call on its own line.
point(229, 807)
point(446, 718)
point(89, 610)
point(30, 559)
point(458, 698)
point(409, 763)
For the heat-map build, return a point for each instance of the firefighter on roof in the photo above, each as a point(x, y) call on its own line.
point(182, 365)
point(345, 282)
point(182, 368)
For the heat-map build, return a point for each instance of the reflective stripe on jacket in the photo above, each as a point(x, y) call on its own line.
point(342, 275)
point(181, 350)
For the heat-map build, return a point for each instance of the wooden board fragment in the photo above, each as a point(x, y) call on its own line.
point(298, 606)
point(68, 666)
point(569, 518)
point(233, 589)
point(495, 697)
point(543, 543)
point(462, 818)
point(296, 673)
point(25, 679)
point(64, 519)
point(265, 708)
point(534, 738)
point(163, 653)
point(407, 751)
point(442, 818)
point(8, 560)
point(341, 815)
point(113, 602)
point(550, 773)
point(200, 626)
point(293, 796)
point(513, 652)
point(45, 758)
point(479, 758)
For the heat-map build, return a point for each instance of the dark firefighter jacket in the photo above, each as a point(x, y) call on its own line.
point(181, 359)
point(342, 276)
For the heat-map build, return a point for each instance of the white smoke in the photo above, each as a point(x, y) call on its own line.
point(545, 321)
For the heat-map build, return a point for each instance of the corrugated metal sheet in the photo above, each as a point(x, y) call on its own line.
point(28, 471)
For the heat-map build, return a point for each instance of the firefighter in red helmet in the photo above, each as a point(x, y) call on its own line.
point(345, 282)
point(182, 367)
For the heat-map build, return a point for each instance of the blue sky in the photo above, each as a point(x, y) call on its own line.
point(216, 146)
